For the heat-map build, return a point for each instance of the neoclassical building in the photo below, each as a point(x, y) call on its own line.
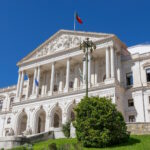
point(51, 82)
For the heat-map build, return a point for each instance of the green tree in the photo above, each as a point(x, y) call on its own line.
point(98, 123)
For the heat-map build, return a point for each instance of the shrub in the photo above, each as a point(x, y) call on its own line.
point(66, 129)
point(98, 123)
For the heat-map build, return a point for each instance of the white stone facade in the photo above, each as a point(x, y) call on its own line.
point(57, 65)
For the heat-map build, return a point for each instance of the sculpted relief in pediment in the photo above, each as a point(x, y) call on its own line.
point(61, 43)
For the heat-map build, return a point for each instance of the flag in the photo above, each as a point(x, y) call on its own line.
point(36, 82)
point(79, 19)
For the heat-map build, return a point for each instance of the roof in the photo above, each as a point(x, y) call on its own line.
point(141, 48)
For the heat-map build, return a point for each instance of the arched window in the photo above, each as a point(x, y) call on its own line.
point(72, 116)
point(56, 120)
point(11, 101)
point(9, 120)
point(71, 84)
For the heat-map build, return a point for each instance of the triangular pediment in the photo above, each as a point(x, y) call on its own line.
point(63, 40)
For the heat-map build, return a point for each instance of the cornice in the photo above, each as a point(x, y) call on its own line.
point(62, 52)
point(134, 89)
point(8, 89)
point(69, 32)
point(63, 95)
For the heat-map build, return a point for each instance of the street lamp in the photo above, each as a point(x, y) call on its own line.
point(86, 46)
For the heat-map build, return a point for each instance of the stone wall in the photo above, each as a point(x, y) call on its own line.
point(12, 141)
point(138, 128)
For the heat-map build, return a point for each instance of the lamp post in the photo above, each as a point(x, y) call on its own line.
point(86, 46)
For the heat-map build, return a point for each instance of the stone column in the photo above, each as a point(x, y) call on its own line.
point(35, 74)
point(112, 62)
point(43, 83)
point(89, 69)
point(21, 84)
point(67, 75)
point(93, 72)
point(38, 80)
point(52, 78)
point(107, 63)
point(28, 86)
point(75, 85)
point(18, 85)
point(61, 81)
point(96, 71)
point(47, 81)
point(84, 72)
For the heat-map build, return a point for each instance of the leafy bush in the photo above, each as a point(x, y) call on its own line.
point(98, 123)
point(66, 129)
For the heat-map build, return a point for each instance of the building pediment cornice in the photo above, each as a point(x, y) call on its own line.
point(64, 41)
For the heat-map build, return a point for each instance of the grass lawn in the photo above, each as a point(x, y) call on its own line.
point(140, 142)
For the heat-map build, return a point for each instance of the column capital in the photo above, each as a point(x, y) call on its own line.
point(53, 63)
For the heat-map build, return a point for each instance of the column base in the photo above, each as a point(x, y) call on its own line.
point(66, 90)
point(109, 81)
point(33, 96)
point(17, 99)
point(50, 93)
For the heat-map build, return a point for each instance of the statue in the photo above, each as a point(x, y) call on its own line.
point(10, 132)
point(28, 131)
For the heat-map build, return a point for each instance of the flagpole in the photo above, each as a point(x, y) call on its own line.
point(74, 21)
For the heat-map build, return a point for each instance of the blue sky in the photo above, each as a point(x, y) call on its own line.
point(25, 24)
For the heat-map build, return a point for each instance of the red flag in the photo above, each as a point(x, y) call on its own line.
point(79, 19)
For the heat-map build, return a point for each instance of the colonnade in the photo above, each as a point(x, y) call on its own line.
point(110, 73)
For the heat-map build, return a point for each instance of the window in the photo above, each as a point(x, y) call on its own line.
point(9, 120)
point(23, 96)
point(132, 118)
point(148, 74)
point(104, 77)
point(55, 88)
point(70, 84)
point(11, 101)
point(1, 104)
point(129, 79)
point(130, 103)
